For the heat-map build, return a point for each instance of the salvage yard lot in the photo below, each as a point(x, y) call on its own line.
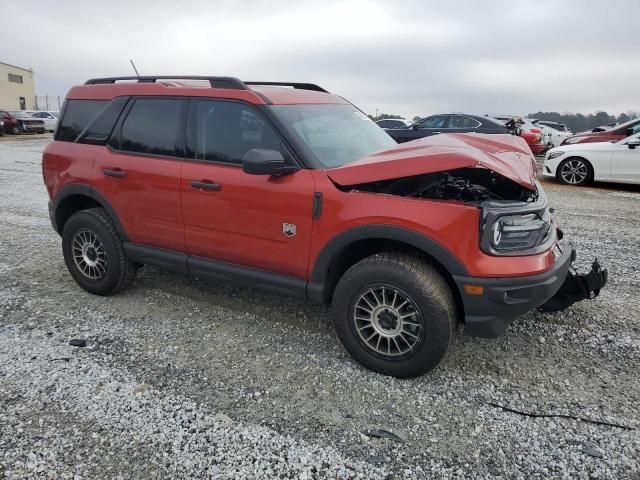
point(188, 378)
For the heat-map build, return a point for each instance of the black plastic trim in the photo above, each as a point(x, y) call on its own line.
point(317, 290)
point(87, 191)
point(248, 277)
point(317, 205)
point(174, 261)
point(296, 85)
point(215, 82)
point(488, 315)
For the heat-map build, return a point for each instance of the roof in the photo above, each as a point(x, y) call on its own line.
point(15, 66)
point(275, 93)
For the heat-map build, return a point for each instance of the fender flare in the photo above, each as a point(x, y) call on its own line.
point(87, 191)
point(316, 289)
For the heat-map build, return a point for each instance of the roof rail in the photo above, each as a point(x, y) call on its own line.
point(299, 86)
point(215, 82)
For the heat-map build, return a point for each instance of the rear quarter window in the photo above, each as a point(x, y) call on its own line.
point(78, 114)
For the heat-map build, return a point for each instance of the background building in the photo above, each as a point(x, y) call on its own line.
point(17, 90)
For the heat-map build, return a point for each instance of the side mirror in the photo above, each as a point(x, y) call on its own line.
point(415, 126)
point(633, 143)
point(261, 161)
point(629, 132)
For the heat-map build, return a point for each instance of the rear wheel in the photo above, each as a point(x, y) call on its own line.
point(94, 254)
point(575, 171)
point(395, 314)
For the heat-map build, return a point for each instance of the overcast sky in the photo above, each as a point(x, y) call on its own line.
point(411, 58)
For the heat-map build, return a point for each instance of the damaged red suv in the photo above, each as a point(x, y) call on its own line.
point(286, 187)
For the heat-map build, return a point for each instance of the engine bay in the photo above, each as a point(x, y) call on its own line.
point(472, 185)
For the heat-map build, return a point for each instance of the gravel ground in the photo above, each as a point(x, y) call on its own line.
point(182, 378)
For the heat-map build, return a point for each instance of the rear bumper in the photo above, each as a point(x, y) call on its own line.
point(503, 299)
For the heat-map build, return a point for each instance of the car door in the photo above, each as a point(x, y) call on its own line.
point(625, 161)
point(139, 173)
point(424, 128)
point(258, 221)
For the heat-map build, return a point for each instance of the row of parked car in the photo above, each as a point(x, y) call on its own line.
point(610, 153)
point(540, 135)
point(25, 121)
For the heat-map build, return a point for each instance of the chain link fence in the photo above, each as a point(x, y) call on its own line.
point(51, 103)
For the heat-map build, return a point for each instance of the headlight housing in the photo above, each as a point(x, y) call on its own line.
point(557, 154)
point(511, 228)
point(519, 232)
point(571, 140)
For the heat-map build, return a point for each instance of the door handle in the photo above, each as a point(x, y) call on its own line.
point(116, 172)
point(205, 185)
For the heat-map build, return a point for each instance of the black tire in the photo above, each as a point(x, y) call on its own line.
point(433, 303)
point(117, 272)
point(16, 130)
point(583, 171)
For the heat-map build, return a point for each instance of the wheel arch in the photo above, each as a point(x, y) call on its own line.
point(75, 197)
point(348, 248)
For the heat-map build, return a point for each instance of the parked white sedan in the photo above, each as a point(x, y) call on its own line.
point(50, 119)
point(581, 163)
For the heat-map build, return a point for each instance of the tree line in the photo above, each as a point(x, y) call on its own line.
point(576, 122)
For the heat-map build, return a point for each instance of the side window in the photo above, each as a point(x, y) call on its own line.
point(153, 126)
point(384, 124)
point(439, 121)
point(101, 127)
point(77, 115)
point(225, 131)
point(458, 121)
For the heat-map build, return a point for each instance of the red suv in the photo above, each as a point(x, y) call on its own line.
point(286, 187)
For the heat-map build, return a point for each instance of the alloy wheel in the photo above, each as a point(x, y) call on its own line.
point(387, 320)
point(89, 255)
point(574, 171)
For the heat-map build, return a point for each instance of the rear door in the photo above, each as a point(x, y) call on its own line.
point(139, 171)
point(259, 221)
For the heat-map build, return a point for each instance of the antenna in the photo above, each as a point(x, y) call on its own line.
point(134, 68)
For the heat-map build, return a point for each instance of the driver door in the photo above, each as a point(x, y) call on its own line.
point(259, 221)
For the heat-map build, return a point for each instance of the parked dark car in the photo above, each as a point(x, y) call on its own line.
point(26, 123)
point(448, 123)
point(394, 123)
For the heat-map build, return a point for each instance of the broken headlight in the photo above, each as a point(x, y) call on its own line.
point(519, 232)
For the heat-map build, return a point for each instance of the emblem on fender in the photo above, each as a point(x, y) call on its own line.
point(288, 229)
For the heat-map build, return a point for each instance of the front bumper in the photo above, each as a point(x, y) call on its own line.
point(503, 299)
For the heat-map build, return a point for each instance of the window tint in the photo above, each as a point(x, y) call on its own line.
point(100, 128)
point(77, 115)
point(434, 122)
point(153, 126)
point(458, 121)
point(225, 131)
point(385, 124)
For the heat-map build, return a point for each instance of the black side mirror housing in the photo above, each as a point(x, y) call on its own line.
point(629, 132)
point(415, 126)
point(262, 161)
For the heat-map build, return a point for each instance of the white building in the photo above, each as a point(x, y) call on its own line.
point(17, 90)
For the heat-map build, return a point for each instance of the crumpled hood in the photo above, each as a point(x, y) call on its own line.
point(506, 155)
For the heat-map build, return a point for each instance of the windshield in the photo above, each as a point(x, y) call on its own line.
point(334, 134)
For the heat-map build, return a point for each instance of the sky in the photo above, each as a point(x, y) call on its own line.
point(401, 57)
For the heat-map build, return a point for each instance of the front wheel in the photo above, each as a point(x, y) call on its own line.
point(575, 171)
point(395, 314)
point(16, 130)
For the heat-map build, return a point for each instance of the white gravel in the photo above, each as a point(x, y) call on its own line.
point(187, 379)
